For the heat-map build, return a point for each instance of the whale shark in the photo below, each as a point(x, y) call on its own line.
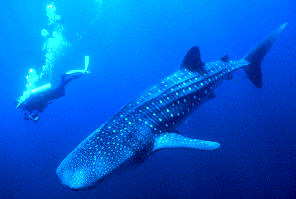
point(148, 123)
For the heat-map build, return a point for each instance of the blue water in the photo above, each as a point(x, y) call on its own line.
point(132, 45)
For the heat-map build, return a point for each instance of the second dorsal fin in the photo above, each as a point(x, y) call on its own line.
point(225, 58)
point(192, 61)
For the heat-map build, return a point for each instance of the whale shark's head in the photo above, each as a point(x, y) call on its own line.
point(103, 152)
point(92, 160)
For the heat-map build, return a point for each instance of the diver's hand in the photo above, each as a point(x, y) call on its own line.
point(33, 117)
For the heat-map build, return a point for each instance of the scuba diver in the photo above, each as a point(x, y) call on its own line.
point(36, 100)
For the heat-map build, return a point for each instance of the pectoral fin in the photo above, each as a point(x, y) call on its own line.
point(174, 140)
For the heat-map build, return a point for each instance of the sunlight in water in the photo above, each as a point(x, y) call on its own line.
point(99, 2)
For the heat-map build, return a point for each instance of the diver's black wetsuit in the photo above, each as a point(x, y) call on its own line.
point(38, 102)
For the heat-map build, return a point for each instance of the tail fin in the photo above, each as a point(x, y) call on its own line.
point(255, 56)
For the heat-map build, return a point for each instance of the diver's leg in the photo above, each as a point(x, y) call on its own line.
point(74, 74)
point(27, 116)
point(66, 78)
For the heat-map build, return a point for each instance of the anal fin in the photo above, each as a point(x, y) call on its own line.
point(174, 140)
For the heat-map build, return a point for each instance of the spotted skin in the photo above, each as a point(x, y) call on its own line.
point(147, 123)
point(131, 133)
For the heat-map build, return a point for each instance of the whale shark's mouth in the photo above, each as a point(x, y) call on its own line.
point(75, 180)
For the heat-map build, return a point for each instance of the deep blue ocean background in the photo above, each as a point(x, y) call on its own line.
point(132, 45)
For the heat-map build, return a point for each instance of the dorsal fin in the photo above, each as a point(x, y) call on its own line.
point(192, 61)
point(225, 58)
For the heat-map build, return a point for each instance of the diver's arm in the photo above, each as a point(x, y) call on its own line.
point(31, 116)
